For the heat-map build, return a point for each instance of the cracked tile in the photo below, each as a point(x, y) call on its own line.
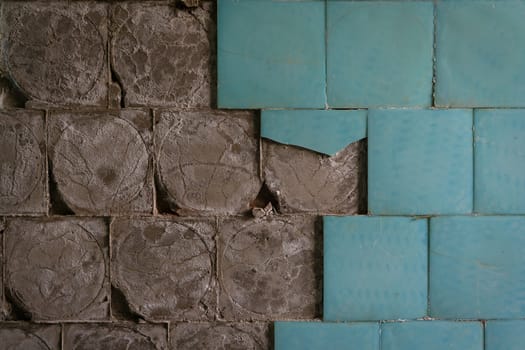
point(207, 161)
point(270, 268)
point(23, 175)
point(101, 161)
point(24, 336)
point(57, 269)
point(165, 267)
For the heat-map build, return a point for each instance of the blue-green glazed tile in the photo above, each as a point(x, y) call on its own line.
point(375, 268)
point(480, 56)
point(432, 335)
point(271, 54)
point(322, 336)
point(499, 175)
point(505, 335)
point(420, 162)
point(379, 53)
point(323, 131)
point(477, 267)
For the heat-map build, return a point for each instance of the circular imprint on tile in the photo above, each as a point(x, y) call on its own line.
point(208, 162)
point(217, 338)
point(17, 339)
point(20, 162)
point(100, 164)
point(116, 338)
point(173, 262)
point(55, 271)
point(268, 268)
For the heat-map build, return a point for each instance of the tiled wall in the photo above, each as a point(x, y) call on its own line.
point(436, 88)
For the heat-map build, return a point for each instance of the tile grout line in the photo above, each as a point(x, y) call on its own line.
point(473, 211)
point(434, 60)
point(326, 55)
point(428, 267)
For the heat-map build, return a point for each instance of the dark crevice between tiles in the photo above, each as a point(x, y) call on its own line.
point(434, 48)
point(265, 197)
point(120, 308)
point(428, 267)
point(326, 55)
point(57, 205)
point(473, 161)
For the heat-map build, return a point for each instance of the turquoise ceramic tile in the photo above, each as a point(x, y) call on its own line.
point(375, 268)
point(324, 131)
point(480, 53)
point(499, 164)
point(477, 267)
point(271, 54)
point(321, 336)
point(432, 335)
point(379, 53)
point(505, 335)
point(420, 162)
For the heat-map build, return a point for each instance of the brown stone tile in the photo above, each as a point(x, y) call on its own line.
point(24, 336)
point(57, 269)
point(270, 268)
point(100, 161)
point(165, 267)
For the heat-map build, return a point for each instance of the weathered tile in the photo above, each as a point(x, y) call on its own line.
point(220, 335)
point(379, 53)
point(323, 131)
point(100, 161)
point(320, 336)
point(23, 179)
point(505, 335)
point(477, 267)
point(269, 268)
point(57, 269)
point(432, 335)
point(499, 174)
point(164, 56)
point(281, 64)
point(165, 267)
point(18, 335)
point(115, 336)
point(375, 268)
point(207, 161)
point(420, 162)
point(56, 53)
point(479, 57)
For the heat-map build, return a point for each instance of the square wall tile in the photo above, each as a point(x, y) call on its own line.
point(477, 267)
point(379, 53)
point(432, 335)
point(420, 162)
point(271, 54)
point(375, 268)
point(480, 57)
point(505, 335)
point(499, 165)
point(320, 336)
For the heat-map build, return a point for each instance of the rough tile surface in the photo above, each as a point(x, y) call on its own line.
point(480, 61)
point(269, 268)
point(477, 267)
point(218, 336)
point(432, 335)
point(57, 269)
point(23, 179)
point(499, 161)
point(420, 162)
point(305, 181)
point(56, 53)
point(505, 335)
point(115, 337)
point(163, 56)
point(379, 53)
point(281, 64)
point(375, 268)
point(101, 161)
point(165, 268)
point(24, 336)
point(207, 161)
point(320, 336)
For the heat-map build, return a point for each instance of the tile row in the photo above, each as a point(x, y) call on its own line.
point(430, 335)
point(100, 54)
point(421, 161)
point(60, 269)
point(355, 54)
point(457, 267)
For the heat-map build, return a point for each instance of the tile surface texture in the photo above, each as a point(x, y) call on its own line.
point(504, 335)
